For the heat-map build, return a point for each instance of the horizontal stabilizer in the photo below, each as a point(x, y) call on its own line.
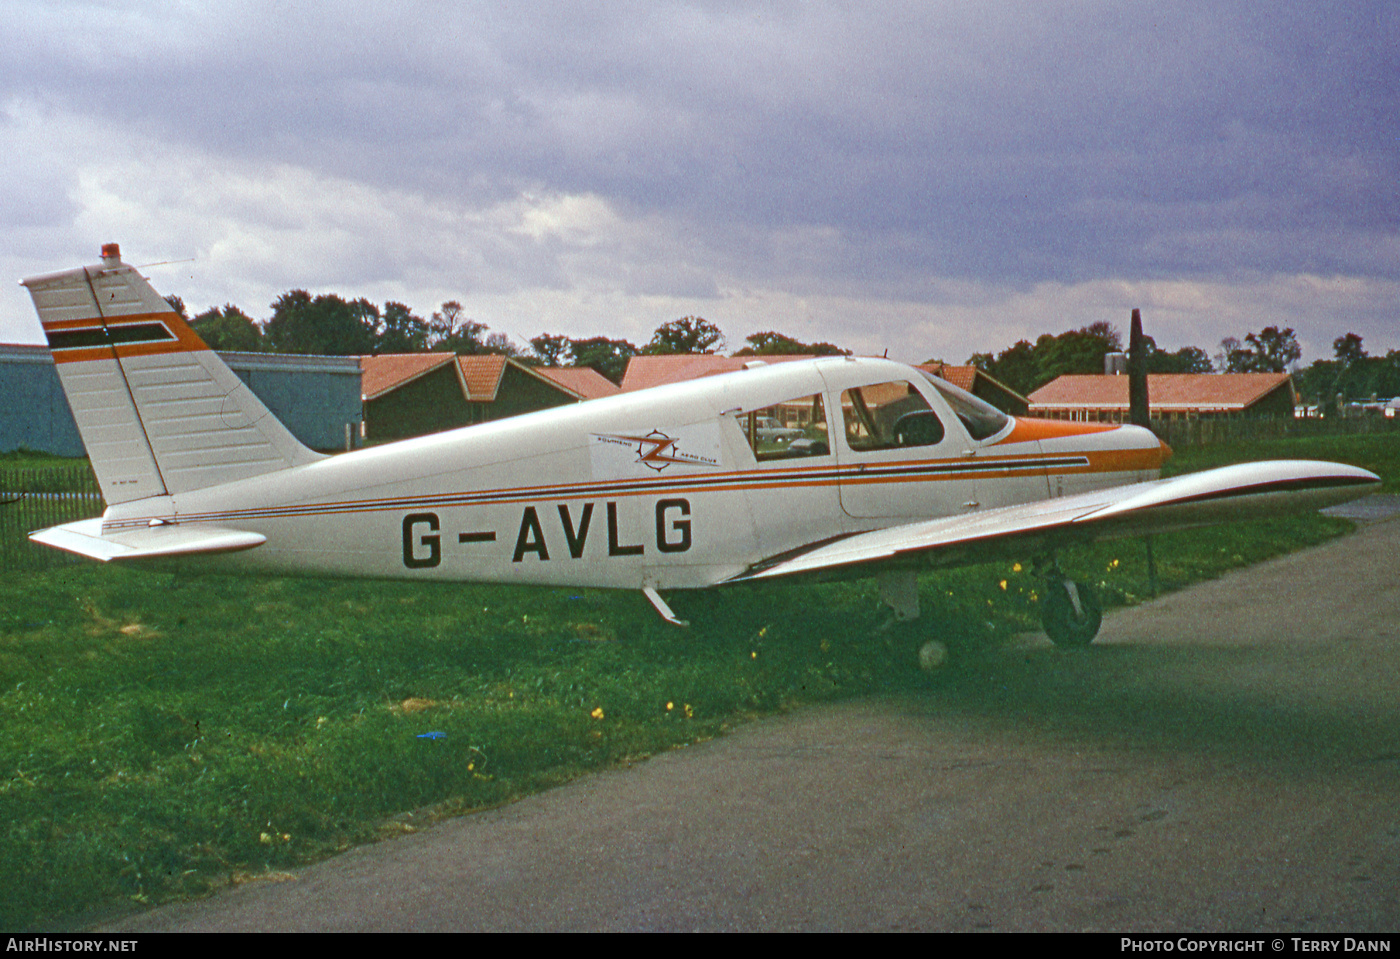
point(156, 542)
point(1243, 491)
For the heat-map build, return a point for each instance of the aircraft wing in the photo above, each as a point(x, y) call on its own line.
point(156, 542)
point(1243, 491)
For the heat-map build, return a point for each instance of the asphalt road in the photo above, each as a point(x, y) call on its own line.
point(1224, 759)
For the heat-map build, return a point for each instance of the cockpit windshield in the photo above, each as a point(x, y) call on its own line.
point(982, 419)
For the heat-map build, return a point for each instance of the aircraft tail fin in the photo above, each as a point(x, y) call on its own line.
point(159, 412)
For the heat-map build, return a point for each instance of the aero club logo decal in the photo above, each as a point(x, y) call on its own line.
point(656, 450)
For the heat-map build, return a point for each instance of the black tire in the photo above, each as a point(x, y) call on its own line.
point(1062, 623)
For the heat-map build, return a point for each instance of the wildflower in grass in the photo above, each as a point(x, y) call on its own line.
point(597, 712)
point(688, 713)
point(1002, 584)
point(1015, 567)
point(670, 706)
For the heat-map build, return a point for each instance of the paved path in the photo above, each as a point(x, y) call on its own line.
point(1226, 758)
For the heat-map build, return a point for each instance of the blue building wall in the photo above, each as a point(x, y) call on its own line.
point(34, 413)
point(314, 396)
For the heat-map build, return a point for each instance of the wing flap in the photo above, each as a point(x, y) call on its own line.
point(1243, 491)
point(85, 538)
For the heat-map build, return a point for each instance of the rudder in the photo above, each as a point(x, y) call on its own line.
point(159, 412)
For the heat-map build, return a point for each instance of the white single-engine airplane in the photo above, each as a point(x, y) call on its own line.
point(671, 488)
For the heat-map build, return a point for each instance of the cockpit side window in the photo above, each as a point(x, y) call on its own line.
point(889, 416)
point(791, 429)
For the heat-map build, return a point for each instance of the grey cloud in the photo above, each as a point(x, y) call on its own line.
point(1005, 142)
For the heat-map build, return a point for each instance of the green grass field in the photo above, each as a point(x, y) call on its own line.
point(162, 738)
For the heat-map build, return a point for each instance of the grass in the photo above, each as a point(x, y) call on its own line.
point(1379, 453)
point(163, 738)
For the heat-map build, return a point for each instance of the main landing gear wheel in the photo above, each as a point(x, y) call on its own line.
point(1070, 613)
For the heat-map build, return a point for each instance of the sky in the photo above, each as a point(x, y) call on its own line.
point(929, 179)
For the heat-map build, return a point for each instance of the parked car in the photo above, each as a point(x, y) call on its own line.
point(772, 431)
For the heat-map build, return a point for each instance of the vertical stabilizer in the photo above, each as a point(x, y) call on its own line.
point(158, 411)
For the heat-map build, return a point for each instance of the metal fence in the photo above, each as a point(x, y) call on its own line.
point(33, 498)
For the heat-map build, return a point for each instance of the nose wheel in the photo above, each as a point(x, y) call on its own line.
point(1070, 612)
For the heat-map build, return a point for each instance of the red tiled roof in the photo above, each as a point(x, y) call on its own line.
point(648, 371)
point(1165, 391)
point(963, 377)
point(481, 375)
point(380, 374)
point(583, 381)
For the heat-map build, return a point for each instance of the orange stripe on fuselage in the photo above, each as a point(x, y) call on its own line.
point(1028, 430)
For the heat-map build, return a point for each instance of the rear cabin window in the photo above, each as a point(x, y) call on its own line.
point(889, 416)
point(793, 429)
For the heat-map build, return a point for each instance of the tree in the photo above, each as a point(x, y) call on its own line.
point(401, 331)
point(452, 332)
point(779, 344)
point(1016, 366)
point(689, 334)
point(550, 349)
point(608, 357)
point(1188, 359)
point(325, 324)
point(229, 329)
point(1271, 350)
point(1276, 349)
point(1231, 357)
point(1076, 351)
point(1348, 349)
point(500, 344)
point(178, 305)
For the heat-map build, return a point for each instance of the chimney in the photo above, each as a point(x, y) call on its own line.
point(111, 254)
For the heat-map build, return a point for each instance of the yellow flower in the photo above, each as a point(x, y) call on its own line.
point(597, 713)
point(1002, 584)
point(670, 706)
point(688, 713)
point(1016, 567)
point(753, 655)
